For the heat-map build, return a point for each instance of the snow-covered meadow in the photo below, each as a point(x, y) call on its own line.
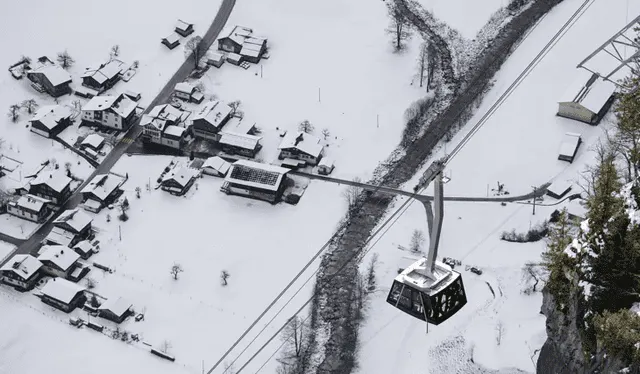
point(5, 249)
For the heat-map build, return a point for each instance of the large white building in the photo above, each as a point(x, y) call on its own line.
point(116, 112)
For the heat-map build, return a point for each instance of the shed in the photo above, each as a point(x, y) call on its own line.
point(587, 99)
point(184, 28)
point(171, 41)
point(215, 58)
point(245, 145)
point(84, 249)
point(216, 166)
point(133, 95)
point(93, 141)
point(116, 309)
point(325, 166)
point(235, 59)
point(569, 147)
point(558, 189)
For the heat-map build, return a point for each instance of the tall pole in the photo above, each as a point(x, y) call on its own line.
point(318, 94)
point(260, 71)
point(534, 200)
point(120, 232)
point(378, 120)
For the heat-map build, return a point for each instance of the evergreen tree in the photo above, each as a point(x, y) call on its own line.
point(556, 261)
point(627, 127)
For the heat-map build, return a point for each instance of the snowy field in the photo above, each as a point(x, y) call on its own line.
point(519, 151)
point(364, 88)
point(5, 249)
point(465, 16)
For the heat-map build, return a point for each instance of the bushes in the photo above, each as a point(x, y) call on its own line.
point(414, 116)
point(534, 234)
point(619, 333)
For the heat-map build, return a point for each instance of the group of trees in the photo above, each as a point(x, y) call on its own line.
point(30, 105)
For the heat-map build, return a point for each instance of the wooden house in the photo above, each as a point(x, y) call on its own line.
point(103, 76)
point(171, 41)
point(50, 120)
point(232, 38)
point(103, 190)
point(58, 236)
point(587, 99)
point(75, 221)
point(188, 92)
point(183, 28)
point(253, 48)
point(244, 145)
point(255, 180)
point(215, 166)
point(84, 248)
point(179, 180)
point(208, 121)
point(235, 59)
point(215, 58)
point(30, 207)
point(62, 294)
point(301, 146)
point(165, 125)
point(116, 309)
point(52, 79)
point(174, 137)
point(569, 147)
point(21, 272)
point(325, 166)
point(114, 112)
point(53, 186)
point(61, 261)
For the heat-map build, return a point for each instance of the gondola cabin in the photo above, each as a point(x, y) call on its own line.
point(431, 298)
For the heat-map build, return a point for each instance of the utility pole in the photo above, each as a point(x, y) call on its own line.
point(534, 200)
point(120, 231)
point(260, 71)
point(319, 94)
point(377, 120)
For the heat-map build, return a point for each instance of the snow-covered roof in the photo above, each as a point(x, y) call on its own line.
point(51, 115)
point(84, 246)
point(23, 265)
point(215, 56)
point(99, 103)
point(121, 104)
point(60, 237)
point(175, 131)
point(182, 175)
point(259, 41)
point(255, 174)
point(61, 289)
point(217, 163)
point(93, 140)
point(326, 162)
point(415, 276)
point(31, 202)
point(103, 185)
point(116, 305)
point(213, 113)
point(559, 187)
point(240, 140)
point(167, 112)
point(303, 142)
point(57, 180)
point(104, 71)
point(61, 256)
point(182, 25)
point(55, 74)
point(236, 33)
point(234, 57)
point(237, 126)
point(589, 91)
point(174, 37)
point(75, 218)
point(184, 87)
point(248, 50)
point(124, 106)
point(569, 144)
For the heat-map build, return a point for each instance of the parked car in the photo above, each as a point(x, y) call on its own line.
point(475, 270)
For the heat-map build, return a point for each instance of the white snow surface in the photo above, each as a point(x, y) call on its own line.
point(5, 250)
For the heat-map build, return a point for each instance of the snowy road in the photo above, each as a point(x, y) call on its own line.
point(183, 72)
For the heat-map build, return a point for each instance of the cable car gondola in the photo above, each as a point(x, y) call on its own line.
point(428, 289)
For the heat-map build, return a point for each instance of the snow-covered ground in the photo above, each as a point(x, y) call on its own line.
point(345, 57)
point(465, 16)
point(5, 249)
point(517, 147)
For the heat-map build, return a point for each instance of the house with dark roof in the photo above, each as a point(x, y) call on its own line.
point(116, 309)
point(179, 180)
point(103, 76)
point(255, 180)
point(188, 92)
point(30, 207)
point(51, 185)
point(84, 248)
point(239, 40)
point(210, 119)
point(21, 272)
point(52, 79)
point(114, 112)
point(184, 28)
point(50, 120)
point(61, 261)
point(103, 190)
point(62, 294)
point(301, 146)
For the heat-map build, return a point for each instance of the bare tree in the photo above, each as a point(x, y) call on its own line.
point(195, 48)
point(65, 60)
point(325, 133)
point(124, 207)
point(224, 275)
point(306, 126)
point(399, 25)
point(417, 241)
point(499, 332)
point(371, 273)
point(115, 52)
point(94, 301)
point(423, 62)
point(165, 346)
point(294, 344)
point(135, 64)
point(30, 105)
point(67, 168)
point(432, 58)
point(235, 108)
point(91, 283)
point(138, 190)
point(352, 194)
point(25, 59)
point(532, 277)
point(176, 269)
point(14, 112)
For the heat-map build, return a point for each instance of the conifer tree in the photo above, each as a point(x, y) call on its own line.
point(556, 261)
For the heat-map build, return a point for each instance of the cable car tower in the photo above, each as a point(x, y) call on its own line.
point(429, 289)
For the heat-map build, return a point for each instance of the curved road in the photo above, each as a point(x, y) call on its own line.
point(31, 244)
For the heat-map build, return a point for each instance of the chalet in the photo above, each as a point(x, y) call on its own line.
point(75, 221)
point(253, 49)
point(114, 112)
point(52, 79)
point(29, 207)
point(244, 145)
point(21, 271)
point(587, 99)
point(103, 76)
point(215, 166)
point(255, 180)
point(61, 237)
point(183, 28)
point(188, 92)
point(103, 190)
point(208, 121)
point(179, 180)
point(93, 142)
point(171, 41)
point(569, 147)
point(233, 38)
point(165, 125)
point(116, 309)
point(215, 58)
point(301, 146)
point(53, 186)
point(84, 248)
point(61, 261)
point(50, 120)
point(325, 166)
point(62, 294)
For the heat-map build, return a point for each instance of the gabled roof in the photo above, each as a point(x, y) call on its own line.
point(182, 25)
point(104, 71)
point(248, 50)
point(100, 103)
point(93, 140)
point(116, 305)
point(174, 37)
point(59, 236)
point(217, 163)
point(175, 131)
point(23, 265)
point(63, 257)
point(121, 104)
point(569, 144)
point(31, 202)
point(75, 218)
point(55, 74)
point(236, 33)
point(302, 142)
point(167, 112)
point(61, 289)
point(255, 174)
point(181, 175)
point(213, 112)
point(84, 246)
point(124, 106)
point(103, 185)
point(57, 180)
point(185, 87)
point(51, 115)
point(240, 140)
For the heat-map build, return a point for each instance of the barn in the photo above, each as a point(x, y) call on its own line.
point(50, 120)
point(116, 309)
point(255, 180)
point(587, 99)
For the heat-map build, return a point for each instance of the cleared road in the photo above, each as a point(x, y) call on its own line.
point(29, 245)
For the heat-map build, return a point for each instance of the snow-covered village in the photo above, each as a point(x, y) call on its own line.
point(229, 187)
